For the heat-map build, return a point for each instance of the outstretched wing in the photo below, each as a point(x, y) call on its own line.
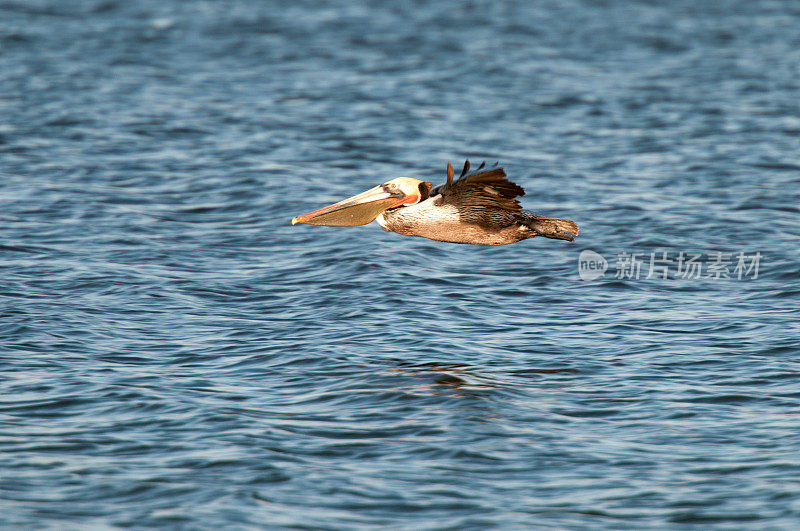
point(484, 195)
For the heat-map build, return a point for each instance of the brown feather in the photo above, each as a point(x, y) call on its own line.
point(465, 170)
point(484, 198)
point(484, 188)
point(450, 174)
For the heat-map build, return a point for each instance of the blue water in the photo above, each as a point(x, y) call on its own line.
point(174, 353)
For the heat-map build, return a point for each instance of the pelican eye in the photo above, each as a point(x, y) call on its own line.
point(391, 188)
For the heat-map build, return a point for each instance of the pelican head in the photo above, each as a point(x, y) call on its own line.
point(366, 206)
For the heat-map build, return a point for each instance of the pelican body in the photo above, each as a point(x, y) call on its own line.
point(478, 208)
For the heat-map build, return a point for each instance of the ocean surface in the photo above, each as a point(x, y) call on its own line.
point(175, 354)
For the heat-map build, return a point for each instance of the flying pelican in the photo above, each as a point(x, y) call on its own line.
point(477, 208)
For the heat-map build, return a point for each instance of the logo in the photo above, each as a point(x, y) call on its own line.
point(591, 265)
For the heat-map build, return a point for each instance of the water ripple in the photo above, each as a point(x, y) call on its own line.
point(176, 354)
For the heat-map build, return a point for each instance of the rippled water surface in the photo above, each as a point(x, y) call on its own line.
point(174, 353)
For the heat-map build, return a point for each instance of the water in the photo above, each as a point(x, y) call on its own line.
point(176, 354)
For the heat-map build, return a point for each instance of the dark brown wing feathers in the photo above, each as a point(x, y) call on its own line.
point(487, 188)
point(465, 170)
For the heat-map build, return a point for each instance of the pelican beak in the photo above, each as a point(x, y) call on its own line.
point(357, 210)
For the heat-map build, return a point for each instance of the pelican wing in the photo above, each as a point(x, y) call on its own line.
point(480, 193)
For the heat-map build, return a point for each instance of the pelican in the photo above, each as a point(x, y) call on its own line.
point(478, 208)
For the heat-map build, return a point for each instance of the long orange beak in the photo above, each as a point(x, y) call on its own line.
point(357, 210)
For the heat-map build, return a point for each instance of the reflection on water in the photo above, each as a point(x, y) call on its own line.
point(462, 379)
point(447, 378)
